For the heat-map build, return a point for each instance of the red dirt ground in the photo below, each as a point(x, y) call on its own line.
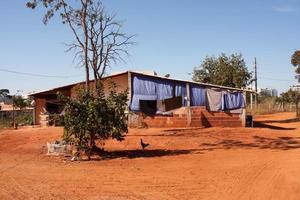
point(211, 163)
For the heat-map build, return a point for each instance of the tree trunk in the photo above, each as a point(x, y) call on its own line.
point(14, 116)
point(86, 64)
point(96, 83)
point(91, 147)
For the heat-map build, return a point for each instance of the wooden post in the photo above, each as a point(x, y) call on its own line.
point(189, 112)
point(129, 86)
point(33, 114)
point(251, 101)
point(14, 115)
point(244, 113)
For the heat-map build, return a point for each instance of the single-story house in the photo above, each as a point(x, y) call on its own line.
point(161, 101)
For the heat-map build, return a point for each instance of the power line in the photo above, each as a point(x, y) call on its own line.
point(59, 76)
point(36, 75)
point(274, 79)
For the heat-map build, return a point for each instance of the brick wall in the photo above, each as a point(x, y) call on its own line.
point(200, 117)
point(40, 104)
point(204, 118)
point(121, 82)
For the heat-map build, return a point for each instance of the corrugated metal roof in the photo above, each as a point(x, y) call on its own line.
point(146, 74)
point(73, 84)
point(194, 82)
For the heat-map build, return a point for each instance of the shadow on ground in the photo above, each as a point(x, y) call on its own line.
point(291, 120)
point(170, 132)
point(131, 154)
point(258, 142)
point(279, 143)
point(263, 124)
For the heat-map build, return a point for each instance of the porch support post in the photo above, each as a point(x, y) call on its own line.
point(189, 111)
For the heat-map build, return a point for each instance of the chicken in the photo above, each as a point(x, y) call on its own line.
point(144, 145)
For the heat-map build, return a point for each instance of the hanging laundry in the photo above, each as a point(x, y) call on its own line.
point(234, 100)
point(143, 88)
point(164, 89)
point(152, 88)
point(198, 94)
point(214, 100)
point(180, 90)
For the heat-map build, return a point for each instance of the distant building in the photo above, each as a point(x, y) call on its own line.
point(9, 107)
point(5, 107)
point(268, 91)
point(296, 87)
point(274, 93)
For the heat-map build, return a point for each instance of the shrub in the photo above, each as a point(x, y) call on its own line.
point(91, 116)
point(25, 118)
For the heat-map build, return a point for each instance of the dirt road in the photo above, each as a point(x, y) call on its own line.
point(212, 163)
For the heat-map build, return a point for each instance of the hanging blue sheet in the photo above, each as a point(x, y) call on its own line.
point(233, 100)
point(143, 89)
point(180, 90)
point(164, 89)
point(198, 95)
point(152, 88)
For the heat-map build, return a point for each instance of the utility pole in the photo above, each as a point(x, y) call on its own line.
point(14, 115)
point(255, 79)
point(255, 74)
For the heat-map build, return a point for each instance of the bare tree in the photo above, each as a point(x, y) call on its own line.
point(99, 41)
point(107, 44)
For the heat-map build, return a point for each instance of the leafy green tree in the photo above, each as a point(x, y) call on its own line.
point(18, 102)
point(295, 98)
point(224, 70)
point(28, 101)
point(295, 60)
point(283, 99)
point(92, 116)
point(291, 96)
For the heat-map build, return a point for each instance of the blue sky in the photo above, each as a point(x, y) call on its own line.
point(172, 37)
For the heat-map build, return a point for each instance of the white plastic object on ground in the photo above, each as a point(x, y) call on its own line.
point(58, 148)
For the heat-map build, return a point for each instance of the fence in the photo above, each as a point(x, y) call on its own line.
point(23, 117)
point(270, 107)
